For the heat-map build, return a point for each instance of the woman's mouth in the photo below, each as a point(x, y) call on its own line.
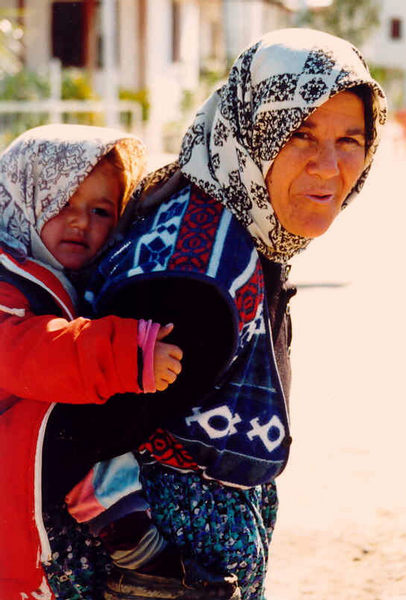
point(321, 198)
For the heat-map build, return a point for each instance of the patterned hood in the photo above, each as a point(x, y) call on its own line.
point(237, 134)
point(42, 169)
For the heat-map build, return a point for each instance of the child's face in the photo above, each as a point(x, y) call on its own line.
point(82, 227)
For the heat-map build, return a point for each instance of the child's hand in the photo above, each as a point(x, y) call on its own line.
point(167, 359)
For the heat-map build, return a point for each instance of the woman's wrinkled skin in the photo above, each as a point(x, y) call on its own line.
point(318, 167)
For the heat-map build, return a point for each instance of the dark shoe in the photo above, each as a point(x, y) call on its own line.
point(208, 583)
point(129, 585)
point(168, 563)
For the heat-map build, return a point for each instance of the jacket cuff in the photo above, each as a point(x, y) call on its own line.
point(147, 334)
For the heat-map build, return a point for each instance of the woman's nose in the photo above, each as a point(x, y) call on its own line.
point(325, 162)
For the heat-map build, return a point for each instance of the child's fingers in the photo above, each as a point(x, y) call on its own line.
point(169, 377)
point(165, 380)
point(167, 365)
point(164, 331)
point(170, 371)
point(161, 385)
point(175, 351)
point(174, 365)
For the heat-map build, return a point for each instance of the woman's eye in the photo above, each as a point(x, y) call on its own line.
point(300, 135)
point(350, 140)
point(352, 143)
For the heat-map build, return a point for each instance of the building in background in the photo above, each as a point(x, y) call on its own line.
point(168, 54)
point(160, 47)
point(244, 21)
point(386, 51)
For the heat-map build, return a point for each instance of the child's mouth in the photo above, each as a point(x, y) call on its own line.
point(77, 243)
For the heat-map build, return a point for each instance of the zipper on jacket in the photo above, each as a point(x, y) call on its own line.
point(39, 520)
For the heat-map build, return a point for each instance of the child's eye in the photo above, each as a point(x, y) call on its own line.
point(65, 206)
point(102, 212)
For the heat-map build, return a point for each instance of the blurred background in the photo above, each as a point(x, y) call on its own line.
point(146, 65)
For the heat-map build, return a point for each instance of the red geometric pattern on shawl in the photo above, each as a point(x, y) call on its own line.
point(237, 432)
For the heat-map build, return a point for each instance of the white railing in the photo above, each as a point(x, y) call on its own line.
point(57, 108)
point(18, 115)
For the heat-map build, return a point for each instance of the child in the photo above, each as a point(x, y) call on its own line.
point(62, 190)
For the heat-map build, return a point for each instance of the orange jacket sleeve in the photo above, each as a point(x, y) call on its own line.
point(52, 359)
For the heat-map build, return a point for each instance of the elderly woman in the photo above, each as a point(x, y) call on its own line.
point(269, 162)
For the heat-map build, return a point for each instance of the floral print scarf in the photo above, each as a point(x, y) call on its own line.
point(237, 134)
point(41, 170)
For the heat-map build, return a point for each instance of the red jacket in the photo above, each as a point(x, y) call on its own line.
point(44, 359)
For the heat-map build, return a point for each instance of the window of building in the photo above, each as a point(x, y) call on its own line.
point(68, 33)
point(396, 29)
point(76, 32)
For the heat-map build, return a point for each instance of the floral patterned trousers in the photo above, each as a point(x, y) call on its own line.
point(225, 530)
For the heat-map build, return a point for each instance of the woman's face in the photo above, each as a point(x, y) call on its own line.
point(318, 167)
point(82, 227)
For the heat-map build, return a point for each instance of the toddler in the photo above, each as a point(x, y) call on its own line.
point(62, 190)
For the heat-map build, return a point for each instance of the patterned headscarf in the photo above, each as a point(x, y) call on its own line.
point(42, 168)
point(237, 134)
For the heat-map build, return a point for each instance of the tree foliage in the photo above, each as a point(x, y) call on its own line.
point(10, 41)
point(353, 20)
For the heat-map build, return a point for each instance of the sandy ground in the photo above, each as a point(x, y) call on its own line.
point(341, 532)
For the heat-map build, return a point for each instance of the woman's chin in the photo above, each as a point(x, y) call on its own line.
point(309, 229)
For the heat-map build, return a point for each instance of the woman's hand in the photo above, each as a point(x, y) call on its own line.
point(167, 360)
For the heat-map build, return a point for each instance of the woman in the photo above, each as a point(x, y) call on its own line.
point(268, 163)
point(276, 153)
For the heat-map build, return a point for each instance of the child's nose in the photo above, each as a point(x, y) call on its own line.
point(79, 219)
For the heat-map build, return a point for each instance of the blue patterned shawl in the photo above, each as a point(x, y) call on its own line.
point(202, 256)
point(238, 430)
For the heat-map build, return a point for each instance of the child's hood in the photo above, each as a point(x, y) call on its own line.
point(43, 167)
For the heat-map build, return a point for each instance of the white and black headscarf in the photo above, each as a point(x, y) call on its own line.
point(41, 170)
point(237, 134)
